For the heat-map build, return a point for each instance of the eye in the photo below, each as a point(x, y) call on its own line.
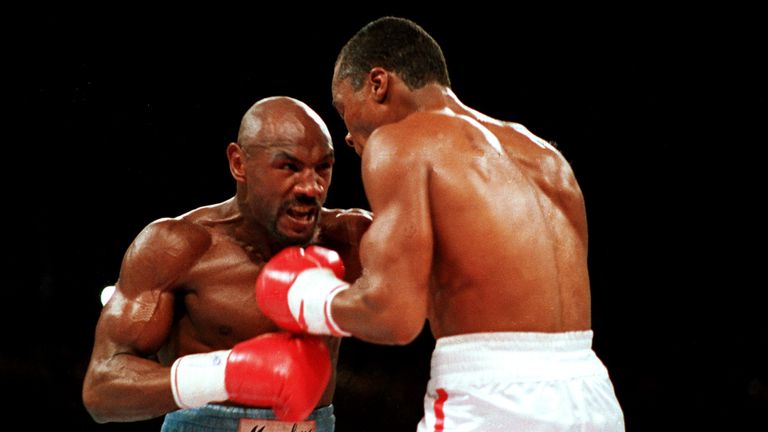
point(289, 166)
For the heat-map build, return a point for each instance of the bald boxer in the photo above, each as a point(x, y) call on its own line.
point(183, 328)
point(479, 227)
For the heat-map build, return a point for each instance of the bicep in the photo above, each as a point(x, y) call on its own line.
point(139, 316)
point(396, 251)
point(137, 323)
point(132, 328)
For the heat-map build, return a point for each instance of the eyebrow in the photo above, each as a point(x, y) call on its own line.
point(285, 155)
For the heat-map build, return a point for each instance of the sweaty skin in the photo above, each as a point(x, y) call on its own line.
point(186, 284)
point(479, 225)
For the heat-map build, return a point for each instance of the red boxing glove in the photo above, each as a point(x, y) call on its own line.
point(286, 372)
point(296, 289)
point(327, 258)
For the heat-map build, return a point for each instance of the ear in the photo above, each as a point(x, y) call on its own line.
point(236, 158)
point(379, 79)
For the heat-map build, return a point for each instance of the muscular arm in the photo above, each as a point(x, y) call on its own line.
point(388, 303)
point(124, 381)
point(342, 230)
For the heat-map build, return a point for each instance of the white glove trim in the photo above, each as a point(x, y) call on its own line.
point(309, 300)
point(197, 379)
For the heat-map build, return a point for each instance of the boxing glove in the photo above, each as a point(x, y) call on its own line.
point(282, 371)
point(297, 286)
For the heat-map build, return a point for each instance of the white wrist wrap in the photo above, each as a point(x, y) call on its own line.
point(310, 300)
point(197, 379)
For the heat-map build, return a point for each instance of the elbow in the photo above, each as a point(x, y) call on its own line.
point(96, 400)
point(378, 316)
point(92, 404)
point(98, 418)
point(404, 336)
point(397, 328)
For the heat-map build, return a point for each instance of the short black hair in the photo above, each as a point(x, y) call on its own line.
point(398, 45)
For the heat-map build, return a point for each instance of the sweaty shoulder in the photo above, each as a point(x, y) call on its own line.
point(344, 225)
point(419, 130)
point(162, 253)
point(178, 236)
point(535, 153)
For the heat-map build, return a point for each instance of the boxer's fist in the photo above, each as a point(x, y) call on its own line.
point(326, 258)
point(296, 289)
point(287, 372)
point(282, 371)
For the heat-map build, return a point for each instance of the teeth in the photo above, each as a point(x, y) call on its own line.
point(300, 214)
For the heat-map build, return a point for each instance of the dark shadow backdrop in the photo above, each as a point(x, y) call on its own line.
point(117, 118)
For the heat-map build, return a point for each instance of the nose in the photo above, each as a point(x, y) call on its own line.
point(310, 184)
point(348, 140)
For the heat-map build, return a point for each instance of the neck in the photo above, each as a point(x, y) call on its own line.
point(436, 97)
point(250, 234)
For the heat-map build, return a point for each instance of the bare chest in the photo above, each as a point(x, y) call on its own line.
point(217, 306)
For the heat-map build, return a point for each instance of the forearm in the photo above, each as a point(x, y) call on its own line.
point(372, 313)
point(302, 291)
point(128, 388)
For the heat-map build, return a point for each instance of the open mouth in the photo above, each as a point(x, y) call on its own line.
point(302, 214)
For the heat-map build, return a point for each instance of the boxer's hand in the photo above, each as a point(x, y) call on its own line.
point(326, 258)
point(282, 371)
point(296, 288)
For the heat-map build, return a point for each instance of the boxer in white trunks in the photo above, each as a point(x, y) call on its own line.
point(479, 226)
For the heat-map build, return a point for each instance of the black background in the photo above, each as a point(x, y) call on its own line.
point(116, 118)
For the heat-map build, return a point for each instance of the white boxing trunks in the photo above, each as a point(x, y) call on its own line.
point(512, 381)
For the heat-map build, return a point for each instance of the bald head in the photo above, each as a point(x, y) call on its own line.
point(277, 120)
point(283, 164)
